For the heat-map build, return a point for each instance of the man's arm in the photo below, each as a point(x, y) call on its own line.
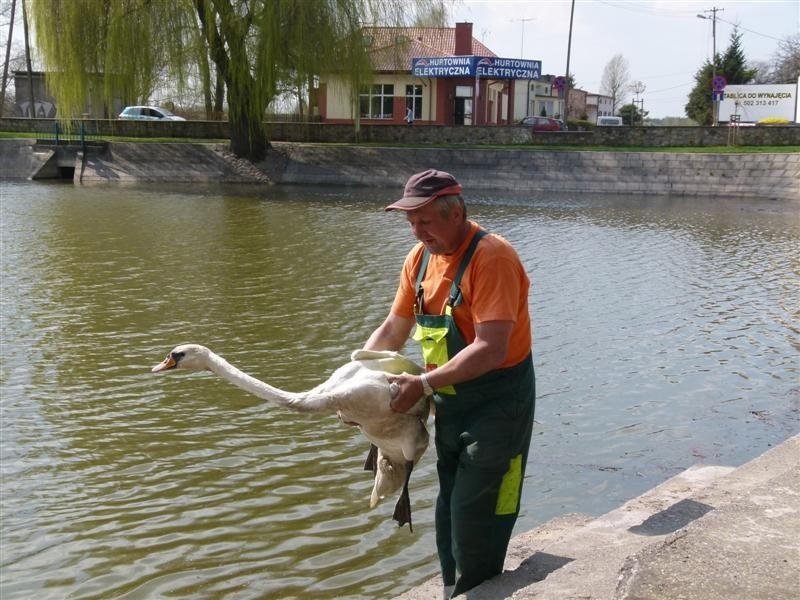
point(391, 334)
point(485, 354)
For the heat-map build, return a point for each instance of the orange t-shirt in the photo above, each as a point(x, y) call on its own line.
point(494, 288)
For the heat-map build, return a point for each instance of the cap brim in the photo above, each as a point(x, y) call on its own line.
point(415, 202)
point(410, 203)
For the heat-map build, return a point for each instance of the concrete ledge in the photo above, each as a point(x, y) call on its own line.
point(536, 171)
point(528, 172)
point(709, 533)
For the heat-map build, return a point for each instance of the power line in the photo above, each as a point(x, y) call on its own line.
point(652, 11)
point(750, 30)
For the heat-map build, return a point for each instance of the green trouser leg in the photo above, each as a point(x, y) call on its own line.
point(481, 456)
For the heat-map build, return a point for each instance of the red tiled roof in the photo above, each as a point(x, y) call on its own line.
point(392, 48)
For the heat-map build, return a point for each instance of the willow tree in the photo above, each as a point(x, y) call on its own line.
point(255, 46)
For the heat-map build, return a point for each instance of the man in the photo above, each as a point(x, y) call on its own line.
point(467, 293)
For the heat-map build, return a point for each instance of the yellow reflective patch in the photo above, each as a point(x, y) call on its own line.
point(508, 496)
point(433, 341)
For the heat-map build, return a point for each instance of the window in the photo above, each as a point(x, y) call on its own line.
point(414, 99)
point(375, 102)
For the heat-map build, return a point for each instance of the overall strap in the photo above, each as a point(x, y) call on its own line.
point(455, 289)
point(423, 266)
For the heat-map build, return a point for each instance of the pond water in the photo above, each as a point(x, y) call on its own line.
point(666, 334)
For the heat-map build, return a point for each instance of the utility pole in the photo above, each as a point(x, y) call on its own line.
point(566, 75)
point(713, 19)
point(638, 88)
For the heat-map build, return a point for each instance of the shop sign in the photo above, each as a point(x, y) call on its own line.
point(487, 67)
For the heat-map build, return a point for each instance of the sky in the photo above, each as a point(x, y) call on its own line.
point(663, 41)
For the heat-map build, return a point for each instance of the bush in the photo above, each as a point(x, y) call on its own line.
point(579, 125)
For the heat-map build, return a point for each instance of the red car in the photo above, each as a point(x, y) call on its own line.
point(543, 123)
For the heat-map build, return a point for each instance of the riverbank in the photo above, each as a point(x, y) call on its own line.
point(515, 170)
point(709, 533)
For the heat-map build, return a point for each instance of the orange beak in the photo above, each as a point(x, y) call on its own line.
point(167, 363)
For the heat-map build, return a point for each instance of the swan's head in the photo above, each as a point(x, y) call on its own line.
point(192, 357)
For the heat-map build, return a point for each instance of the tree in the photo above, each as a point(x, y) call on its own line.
point(763, 71)
point(732, 65)
point(615, 80)
point(256, 47)
point(436, 16)
point(8, 56)
point(631, 115)
point(786, 60)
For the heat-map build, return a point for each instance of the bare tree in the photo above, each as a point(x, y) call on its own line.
point(763, 71)
point(8, 57)
point(28, 60)
point(786, 60)
point(435, 16)
point(615, 80)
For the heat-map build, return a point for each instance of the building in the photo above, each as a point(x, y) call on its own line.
point(45, 106)
point(577, 104)
point(537, 97)
point(444, 75)
point(43, 102)
point(598, 105)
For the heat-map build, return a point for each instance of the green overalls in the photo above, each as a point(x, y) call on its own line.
point(483, 431)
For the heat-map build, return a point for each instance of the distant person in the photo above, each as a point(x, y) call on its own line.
point(464, 293)
point(410, 116)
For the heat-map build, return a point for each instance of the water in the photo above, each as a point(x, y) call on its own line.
point(666, 334)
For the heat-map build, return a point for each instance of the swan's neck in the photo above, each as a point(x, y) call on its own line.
point(218, 365)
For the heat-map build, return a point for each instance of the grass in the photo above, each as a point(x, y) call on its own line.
point(541, 147)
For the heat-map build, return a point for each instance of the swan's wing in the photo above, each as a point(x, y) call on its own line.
point(363, 354)
point(386, 361)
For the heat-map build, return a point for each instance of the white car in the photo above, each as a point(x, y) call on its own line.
point(148, 113)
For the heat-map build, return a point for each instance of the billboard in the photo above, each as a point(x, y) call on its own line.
point(754, 102)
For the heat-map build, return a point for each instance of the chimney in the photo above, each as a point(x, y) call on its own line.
point(463, 39)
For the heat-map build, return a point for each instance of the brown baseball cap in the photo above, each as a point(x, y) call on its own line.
point(425, 187)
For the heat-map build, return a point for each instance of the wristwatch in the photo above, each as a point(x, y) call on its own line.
point(426, 387)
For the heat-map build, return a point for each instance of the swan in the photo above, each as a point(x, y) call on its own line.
point(359, 392)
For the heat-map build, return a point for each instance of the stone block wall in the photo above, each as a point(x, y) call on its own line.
point(530, 171)
point(773, 135)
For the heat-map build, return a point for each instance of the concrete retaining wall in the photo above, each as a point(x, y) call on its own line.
point(524, 171)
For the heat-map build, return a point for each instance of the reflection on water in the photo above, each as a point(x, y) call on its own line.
point(666, 334)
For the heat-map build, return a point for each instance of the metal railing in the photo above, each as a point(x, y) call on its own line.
point(63, 136)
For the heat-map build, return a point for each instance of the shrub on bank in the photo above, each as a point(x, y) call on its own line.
point(580, 125)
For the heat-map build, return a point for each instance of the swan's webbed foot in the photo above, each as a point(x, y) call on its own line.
point(371, 464)
point(402, 510)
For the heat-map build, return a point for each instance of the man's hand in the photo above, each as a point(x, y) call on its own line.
point(409, 391)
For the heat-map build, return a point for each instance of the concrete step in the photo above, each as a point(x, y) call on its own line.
point(702, 534)
point(519, 552)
